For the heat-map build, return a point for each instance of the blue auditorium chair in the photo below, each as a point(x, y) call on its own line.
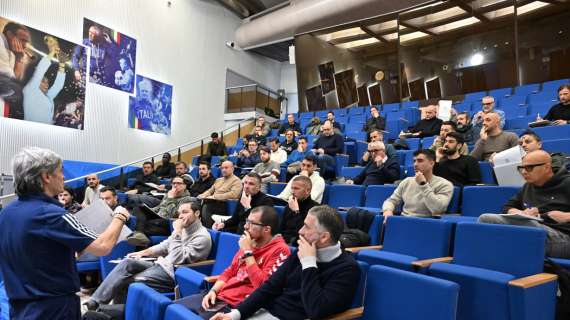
point(519, 123)
point(341, 160)
point(453, 206)
point(527, 89)
point(515, 111)
point(276, 188)
point(427, 142)
point(553, 132)
point(500, 93)
point(413, 143)
point(391, 107)
point(558, 145)
point(411, 104)
point(474, 96)
point(552, 86)
point(408, 241)
point(351, 172)
point(306, 115)
point(393, 294)
point(180, 312)
point(543, 97)
point(361, 118)
point(512, 101)
point(463, 107)
point(345, 195)
point(340, 112)
point(144, 303)
point(539, 108)
point(375, 195)
point(477, 200)
point(499, 269)
point(355, 111)
point(227, 246)
point(487, 173)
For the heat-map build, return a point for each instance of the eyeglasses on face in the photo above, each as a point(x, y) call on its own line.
point(529, 167)
point(175, 183)
point(249, 222)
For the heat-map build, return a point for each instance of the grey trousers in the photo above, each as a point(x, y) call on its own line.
point(557, 243)
point(115, 286)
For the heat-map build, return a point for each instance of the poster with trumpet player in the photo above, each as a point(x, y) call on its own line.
point(38, 77)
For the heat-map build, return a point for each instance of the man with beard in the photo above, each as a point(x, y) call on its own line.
point(92, 190)
point(465, 127)
point(459, 169)
point(439, 141)
point(560, 114)
point(268, 170)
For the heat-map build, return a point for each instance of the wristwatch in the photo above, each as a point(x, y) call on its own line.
point(247, 254)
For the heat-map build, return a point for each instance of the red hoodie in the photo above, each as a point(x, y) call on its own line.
point(241, 280)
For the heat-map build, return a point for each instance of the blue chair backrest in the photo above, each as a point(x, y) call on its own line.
point(402, 295)
point(463, 107)
point(351, 172)
point(359, 118)
point(539, 108)
point(353, 127)
point(358, 299)
point(216, 172)
point(355, 111)
point(500, 93)
point(515, 250)
point(343, 195)
point(427, 142)
point(519, 123)
point(453, 206)
point(227, 248)
point(276, 188)
point(214, 235)
point(376, 194)
point(513, 101)
point(487, 174)
point(474, 96)
point(280, 211)
point(306, 115)
point(119, 251)
point(411, 104)
point(527, 89)
point(144, 303)
point(558, 145)
point(485, 199)
point(543, 98)
point(515, 111)
point(340, 112)
point(553, 132)
point(423, 238)
point(391, 107)
point(554, 84)
point(180, 312)
point(413, 143)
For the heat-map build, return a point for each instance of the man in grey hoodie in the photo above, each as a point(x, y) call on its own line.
point(188, 243)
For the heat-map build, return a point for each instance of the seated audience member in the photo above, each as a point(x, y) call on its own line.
point(308, 169)
point(216, 147)
point(258, 137)
point(314, 127)
point(289, 145)
point(428, 126)
point(181, 169)
point(319, 281)
point(249, 157)
point(530, 141)
point(492, 139)
point(291, 124)
point(268, 170)
point(251, 197)
point(487, 106)
point(140, 194)
point(559, 114)
point(459, 169)
point(166, 169)
point(109, 195)
point(189, 242)
point(261, 252)
point(227, 187)
point(377, 135)
point(261, 123)
point(425, 194)
point(326, 147)
point(204, 182)
point(336, 125)
point(293, 162)
point(67, 199)
point(155, 220)
point(376, 121)
point(544, 195)
point(92, 191)
point(465, 127)
point(381, 170)
point(277, 154)
point(298, 206)
point(439, 141)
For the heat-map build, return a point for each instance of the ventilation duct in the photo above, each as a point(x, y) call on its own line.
point(303, 16)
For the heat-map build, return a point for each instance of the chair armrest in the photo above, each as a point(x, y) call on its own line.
point(356, 249)
point(348, 314)
point(197, 264)
point(428, 262)
point(211, 279)
point(533, 281)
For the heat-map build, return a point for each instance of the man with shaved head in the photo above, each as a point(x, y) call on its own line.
point(298, 205)
point(430, 125)
point(227, 187)
point(326, 147)
point(546, 196)
point(92, 191)
point(492, 138)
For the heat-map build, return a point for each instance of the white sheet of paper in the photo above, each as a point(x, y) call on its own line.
point(98, 216)
point(444, 110)
point(512, 155)
point(505, 167)
point(152, 185)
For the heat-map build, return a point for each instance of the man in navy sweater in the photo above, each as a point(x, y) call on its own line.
point(326, 147)
point(319, 281)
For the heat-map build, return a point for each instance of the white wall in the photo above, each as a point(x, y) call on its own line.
point(289, 83)
point(183, 45)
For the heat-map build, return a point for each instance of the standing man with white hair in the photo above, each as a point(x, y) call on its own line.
point(40, 239)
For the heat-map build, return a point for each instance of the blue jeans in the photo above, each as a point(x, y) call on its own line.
point(4, 306)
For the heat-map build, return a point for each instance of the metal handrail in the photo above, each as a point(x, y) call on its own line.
point(253, 85)
point(177, 148)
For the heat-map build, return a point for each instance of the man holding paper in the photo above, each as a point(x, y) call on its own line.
point(543, 202)
point(189, 242)
point(40, 239)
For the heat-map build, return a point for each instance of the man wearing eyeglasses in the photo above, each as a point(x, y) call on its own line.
point(543, 202)
point(377, 135)
point(262, 251)
point(487, 105)
point(381, 170)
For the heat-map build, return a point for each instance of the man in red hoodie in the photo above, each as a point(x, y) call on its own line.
point(261, 252)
